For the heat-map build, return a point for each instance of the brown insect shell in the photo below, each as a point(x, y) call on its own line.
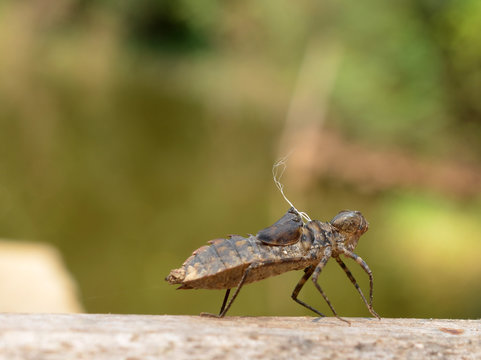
point(306, 238)
point(285, 231)
point(318, 235)
point(350, 225)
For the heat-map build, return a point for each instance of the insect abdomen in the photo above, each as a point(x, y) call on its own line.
point(222, 264)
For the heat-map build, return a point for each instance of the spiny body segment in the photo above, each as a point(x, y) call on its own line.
point(287, 245)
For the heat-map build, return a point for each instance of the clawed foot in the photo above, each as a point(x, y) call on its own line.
point(371, 310)
point(346, 321)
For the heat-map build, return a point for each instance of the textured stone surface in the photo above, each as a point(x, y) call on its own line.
point(89, 336)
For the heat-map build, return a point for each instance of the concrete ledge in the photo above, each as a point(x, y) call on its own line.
point(91, 336)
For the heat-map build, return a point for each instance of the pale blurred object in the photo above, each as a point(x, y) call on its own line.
point(33, 278)
point(307, 111)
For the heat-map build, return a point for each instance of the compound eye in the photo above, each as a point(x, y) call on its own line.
point(349, 221)
point(350, 225)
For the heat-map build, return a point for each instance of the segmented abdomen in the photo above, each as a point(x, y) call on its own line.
point(222, 264)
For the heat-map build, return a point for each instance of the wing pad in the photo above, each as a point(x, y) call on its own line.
point(285, 231)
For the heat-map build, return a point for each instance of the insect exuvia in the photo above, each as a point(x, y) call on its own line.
point(287, 245)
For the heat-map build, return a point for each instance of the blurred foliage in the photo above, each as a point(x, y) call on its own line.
point(133, 132)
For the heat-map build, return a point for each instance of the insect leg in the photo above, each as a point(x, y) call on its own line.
point(225, 301)
point(308, 272)
point(315, 276)
point(239, 286)
point(368, 272)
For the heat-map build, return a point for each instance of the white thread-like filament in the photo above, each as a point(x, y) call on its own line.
point(277, 171)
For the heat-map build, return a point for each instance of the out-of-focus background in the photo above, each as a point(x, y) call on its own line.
point(133, 132)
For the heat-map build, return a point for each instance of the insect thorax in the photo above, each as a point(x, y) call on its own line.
point(317, 235)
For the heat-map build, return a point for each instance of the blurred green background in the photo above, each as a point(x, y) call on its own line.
point(133, 132)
